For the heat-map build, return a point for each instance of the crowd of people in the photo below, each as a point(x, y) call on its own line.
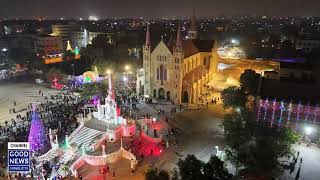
point(58, 112)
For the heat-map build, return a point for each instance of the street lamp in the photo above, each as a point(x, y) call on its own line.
point(125, 79)
point(308, 130)
point(127, 67)
point(108, 71)
point(154, 126)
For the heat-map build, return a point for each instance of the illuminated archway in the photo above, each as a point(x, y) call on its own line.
point(89, 77)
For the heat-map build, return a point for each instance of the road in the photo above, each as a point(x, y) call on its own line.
point(200, 133)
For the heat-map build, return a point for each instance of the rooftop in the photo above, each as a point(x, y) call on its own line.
point(192, 47)
point(300, 66)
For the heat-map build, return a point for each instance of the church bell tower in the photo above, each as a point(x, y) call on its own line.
point(147, 63)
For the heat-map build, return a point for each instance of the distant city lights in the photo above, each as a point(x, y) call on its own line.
point(93, 18)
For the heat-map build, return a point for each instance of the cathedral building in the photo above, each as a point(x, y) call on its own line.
point(179, 72)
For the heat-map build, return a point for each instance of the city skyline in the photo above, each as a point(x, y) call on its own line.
point(157, 9)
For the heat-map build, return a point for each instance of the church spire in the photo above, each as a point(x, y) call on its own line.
point(192, 33)
point(179, 39)
point(193, 21)
point(148, 42)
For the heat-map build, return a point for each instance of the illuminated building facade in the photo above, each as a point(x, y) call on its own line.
point(178, 72)
point(49, 46)
point(65, 31)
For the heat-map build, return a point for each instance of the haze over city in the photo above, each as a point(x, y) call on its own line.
point(155, 9)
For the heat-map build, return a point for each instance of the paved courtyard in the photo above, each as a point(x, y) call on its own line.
point(23, 94)
point(199, 132)
point(310, 163)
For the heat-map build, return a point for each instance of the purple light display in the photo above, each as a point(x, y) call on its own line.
point(37, 135)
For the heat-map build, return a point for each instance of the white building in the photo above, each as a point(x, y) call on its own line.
point(84, 37)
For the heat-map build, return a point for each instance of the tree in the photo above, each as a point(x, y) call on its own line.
point(249, 81)
point(190, 168)
point(89, 90)
point(36, 63)
point(37, 135)
point(163, 175)
point(54, 73)
point(257, 147)
point(19, 55)
point(234, 97)
point(103, 65)
point(68, 56)
point(101, 43)
point(214, 170)
point(153, 174)
point(175, 174)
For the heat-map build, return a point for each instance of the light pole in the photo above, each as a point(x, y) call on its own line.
point(126, 77)
point(154, 126)
point(72, 65)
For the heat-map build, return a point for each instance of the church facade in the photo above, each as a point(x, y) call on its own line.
point(180, 72)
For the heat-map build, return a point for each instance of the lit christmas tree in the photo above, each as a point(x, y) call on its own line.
point(76, 51)
point(37, 134)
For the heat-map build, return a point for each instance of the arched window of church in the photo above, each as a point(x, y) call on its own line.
point(165, 74)
point(161, 72)
point(158, 73)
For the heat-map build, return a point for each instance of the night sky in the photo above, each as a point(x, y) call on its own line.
point(155, 8)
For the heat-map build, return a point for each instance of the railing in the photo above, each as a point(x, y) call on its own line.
point(149, 138)
point(103, 159)
point(76, 131)
point(124, 130)
point(78, 164)
point(101, 140)
point(44, 156)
